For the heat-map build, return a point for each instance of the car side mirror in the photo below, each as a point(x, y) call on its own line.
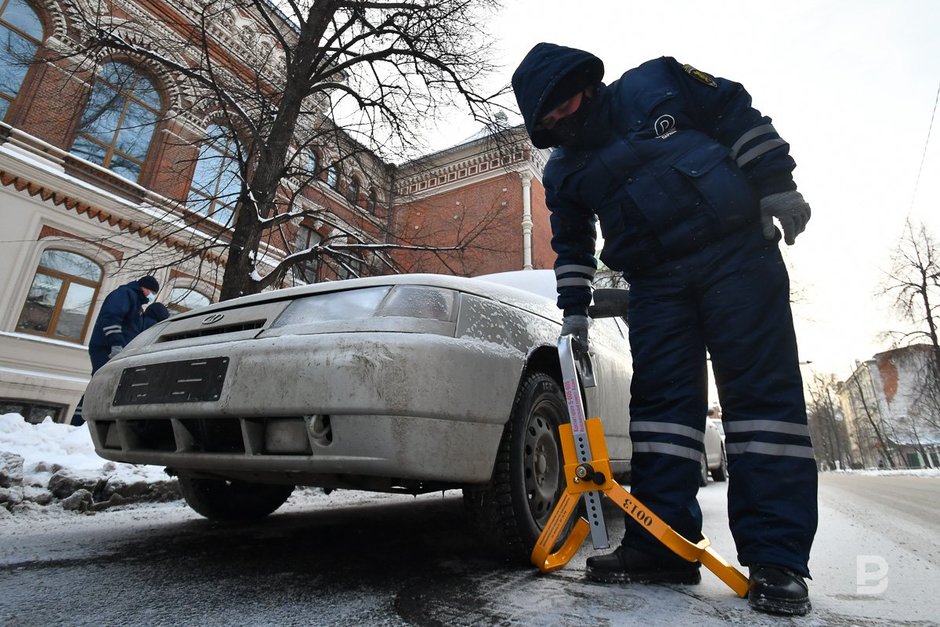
point(609, 303)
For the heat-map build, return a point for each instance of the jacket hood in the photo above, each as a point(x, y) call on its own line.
point(157, 312)
point(548, 75)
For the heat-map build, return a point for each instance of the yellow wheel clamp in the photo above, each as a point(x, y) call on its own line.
point(588, 474)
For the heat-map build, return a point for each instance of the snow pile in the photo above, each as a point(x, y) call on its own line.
point(49, 463)
point(874, 472)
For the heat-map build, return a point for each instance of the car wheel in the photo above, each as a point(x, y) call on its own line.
point(528, 476)
point(703, 473)
point(218, 499)
point(721, 473)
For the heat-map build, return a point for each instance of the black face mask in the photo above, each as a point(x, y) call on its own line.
point(585, 127)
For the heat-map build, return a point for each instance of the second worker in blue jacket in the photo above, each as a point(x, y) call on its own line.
point(686, 178)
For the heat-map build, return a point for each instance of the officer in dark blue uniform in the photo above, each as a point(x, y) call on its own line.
point(120, 320)
point(686, 178)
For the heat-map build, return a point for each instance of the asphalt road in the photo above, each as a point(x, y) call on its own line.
point(352, 559)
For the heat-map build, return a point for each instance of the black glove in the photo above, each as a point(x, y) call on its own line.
point(577, 328)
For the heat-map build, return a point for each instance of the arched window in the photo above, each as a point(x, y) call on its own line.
point(308, 270)
point(60, 299)
point(332, 177)
point(20, 36)
point(217, 180)
point(313, 162)
point(119, 120)
point(353, 192)
point(184, 298)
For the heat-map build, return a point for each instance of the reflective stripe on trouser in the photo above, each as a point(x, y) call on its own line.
point(732, 298)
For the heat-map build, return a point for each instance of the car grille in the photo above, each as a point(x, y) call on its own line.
point(284, 435)
point(249, 325)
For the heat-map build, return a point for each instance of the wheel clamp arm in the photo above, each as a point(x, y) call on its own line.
point(588, 475)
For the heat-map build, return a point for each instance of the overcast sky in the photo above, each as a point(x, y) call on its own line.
point(851, 85)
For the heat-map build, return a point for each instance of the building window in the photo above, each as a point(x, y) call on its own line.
point(119, 120)
point(183, 299)
point(308, 270)
point(32, 411)
point(348, 267)
point(332, 177)
point(313, 162)
point(20, 36)
point(353, 192)
point(216, 180)
point(60, 298)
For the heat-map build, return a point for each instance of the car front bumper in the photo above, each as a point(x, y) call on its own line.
point(297, 408)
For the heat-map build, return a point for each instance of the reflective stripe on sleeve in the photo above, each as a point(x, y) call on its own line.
point(754, 133)
point(574, 282)
point(668, 427)
point(768, 448)
point(587, 270)
point(758, 150)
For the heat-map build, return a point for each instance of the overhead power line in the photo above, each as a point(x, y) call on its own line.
point(923, 157)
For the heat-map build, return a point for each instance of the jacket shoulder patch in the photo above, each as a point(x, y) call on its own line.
point(700, 76)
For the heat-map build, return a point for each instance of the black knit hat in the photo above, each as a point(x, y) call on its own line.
point(149, 282)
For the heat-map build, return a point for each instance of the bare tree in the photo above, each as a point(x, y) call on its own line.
point(914, 285)
point(349, 82)
point(826, 423)
point(867, 400)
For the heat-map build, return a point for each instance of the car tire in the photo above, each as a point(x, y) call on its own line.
point(232, 501)
point(703, 473)
point(721, 473)
point(528, 475)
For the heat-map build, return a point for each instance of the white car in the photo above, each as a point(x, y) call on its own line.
point(716, 458)
point(403, 383)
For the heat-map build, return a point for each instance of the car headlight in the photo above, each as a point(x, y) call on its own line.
point(411, 301)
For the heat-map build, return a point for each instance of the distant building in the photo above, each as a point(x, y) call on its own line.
point(105, 177)
point(891, 410)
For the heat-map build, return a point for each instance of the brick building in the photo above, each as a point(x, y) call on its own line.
point(108, 170)
point(891, 414)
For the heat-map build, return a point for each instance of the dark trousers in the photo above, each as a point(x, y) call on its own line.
point(99, 357)
point(732, 300)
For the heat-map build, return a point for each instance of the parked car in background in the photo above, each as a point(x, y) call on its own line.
point(716, 458)
point(403, 383)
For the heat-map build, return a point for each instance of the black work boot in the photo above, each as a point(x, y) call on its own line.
point(777, 590)
point(629, 565)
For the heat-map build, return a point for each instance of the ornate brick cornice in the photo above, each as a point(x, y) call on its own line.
point(144, 231)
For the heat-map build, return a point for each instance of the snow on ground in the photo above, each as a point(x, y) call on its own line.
point(51, 468)
point(51, 444)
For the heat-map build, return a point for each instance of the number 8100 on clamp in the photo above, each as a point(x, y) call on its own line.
point(588, 476)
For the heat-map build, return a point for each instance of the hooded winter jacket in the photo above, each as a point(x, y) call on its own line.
point(669, 159)
point(154, 313)
point(120, 318)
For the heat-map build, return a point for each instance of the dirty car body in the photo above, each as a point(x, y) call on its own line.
point(404, 383)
